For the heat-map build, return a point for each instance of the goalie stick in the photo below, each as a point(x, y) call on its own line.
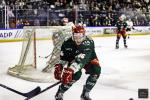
point(47, 88)
point(28, 94)
point(45, 56)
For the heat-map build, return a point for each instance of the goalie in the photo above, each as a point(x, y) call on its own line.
point(79, 53)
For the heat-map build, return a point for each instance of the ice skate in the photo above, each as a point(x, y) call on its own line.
point(117, 46)
point(125, 46)
point(85, 94)
point(59, 96)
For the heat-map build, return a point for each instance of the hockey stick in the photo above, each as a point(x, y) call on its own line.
point(49, 54)
point(49, 87)
point(28, 94)
point(45, 56)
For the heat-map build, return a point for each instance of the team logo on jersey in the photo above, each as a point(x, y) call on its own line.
point(81, 56)
point(86, 42)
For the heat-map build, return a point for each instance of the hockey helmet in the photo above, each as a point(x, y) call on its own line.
point(78, 34)
point(78, 29)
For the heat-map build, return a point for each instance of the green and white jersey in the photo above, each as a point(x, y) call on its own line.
point(121, 25)
point(80, 54)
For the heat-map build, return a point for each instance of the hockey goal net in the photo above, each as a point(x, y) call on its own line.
point(40, 52)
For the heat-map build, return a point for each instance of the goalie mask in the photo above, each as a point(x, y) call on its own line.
point(78, 34)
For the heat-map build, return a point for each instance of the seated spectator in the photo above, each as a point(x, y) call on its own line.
point(19, 24)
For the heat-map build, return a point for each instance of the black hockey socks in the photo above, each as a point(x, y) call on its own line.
point(59, 94)
point(125, 44)
point(117, 43)
point(90, 83)
point(62, 89)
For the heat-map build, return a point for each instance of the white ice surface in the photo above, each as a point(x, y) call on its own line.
point(124, 71)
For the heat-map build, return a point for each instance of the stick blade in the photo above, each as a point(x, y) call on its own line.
point(33, 92)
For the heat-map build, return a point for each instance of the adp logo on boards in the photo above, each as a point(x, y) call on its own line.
point(5, 34)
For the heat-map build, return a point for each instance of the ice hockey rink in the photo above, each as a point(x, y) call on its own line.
point(124, 71)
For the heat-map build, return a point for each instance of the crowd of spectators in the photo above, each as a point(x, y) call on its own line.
point(89, 12)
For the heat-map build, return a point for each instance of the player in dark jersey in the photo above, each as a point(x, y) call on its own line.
point(79, 53)
point(121, 31)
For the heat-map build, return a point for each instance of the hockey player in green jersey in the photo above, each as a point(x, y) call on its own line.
point(79, 53)
point(121, 31)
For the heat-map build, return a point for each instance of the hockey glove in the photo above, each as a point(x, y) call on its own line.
point(67, 75)
point(58, 71)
